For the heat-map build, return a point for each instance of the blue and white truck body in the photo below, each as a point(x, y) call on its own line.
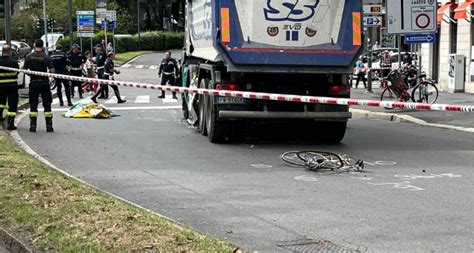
point(304, 47)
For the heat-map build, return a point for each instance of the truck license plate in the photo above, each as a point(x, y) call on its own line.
point(230, 100)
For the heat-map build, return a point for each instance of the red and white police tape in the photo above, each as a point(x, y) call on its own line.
point(262, 95)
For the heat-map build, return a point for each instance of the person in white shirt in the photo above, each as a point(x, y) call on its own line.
point(376, 45)
point(88, 68)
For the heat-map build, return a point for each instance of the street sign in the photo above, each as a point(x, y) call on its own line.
point(373, 21)
point(85, 23)
point(373, 9)
point(420, 38)
point(410, 17)
point(109, 15)
point(111, 25)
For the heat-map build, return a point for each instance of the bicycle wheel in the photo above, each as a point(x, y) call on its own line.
point(321, 156)
point(388, 95)
point(426, 92)
point(292, 158)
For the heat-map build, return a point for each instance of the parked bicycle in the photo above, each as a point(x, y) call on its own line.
point(398, 82)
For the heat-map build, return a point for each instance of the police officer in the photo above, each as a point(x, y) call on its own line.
point(8, 87)
point(109, 71)
point(39, 85)
point(60, 62)
point(101, 56)
point(168, 72)
point(75, 60)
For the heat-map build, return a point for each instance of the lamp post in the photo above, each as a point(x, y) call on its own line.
point(69, 20)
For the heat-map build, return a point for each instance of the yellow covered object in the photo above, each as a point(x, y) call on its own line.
point(91, 110)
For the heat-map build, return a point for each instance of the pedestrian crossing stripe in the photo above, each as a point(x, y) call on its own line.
point(142, 100)
point(113, 100)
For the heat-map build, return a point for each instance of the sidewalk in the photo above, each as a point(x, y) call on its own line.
point(461, 119)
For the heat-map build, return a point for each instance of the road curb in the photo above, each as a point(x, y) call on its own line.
point(11, 243)
point(403, 118)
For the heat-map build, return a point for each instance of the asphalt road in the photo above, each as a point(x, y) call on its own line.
point(416, 193)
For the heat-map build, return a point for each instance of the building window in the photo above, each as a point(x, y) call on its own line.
point(453, 37)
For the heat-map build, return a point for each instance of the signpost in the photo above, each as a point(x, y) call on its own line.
point(373, 21)
point(85, 24)
point(407, 17)
point(104, 18)
point(420, 38)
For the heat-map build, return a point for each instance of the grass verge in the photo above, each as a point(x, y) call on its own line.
point(61, 214)
point(121, 58)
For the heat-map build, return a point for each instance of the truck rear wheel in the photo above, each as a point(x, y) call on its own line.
point(216, 130)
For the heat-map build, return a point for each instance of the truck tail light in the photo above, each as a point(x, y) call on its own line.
point(339, 90)
point(231, 87)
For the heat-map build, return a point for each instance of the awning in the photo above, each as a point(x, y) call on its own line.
point(441, 10)
point(461, 12)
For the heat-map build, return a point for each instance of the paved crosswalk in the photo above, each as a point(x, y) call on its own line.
point(131, 100)
point(132, 66)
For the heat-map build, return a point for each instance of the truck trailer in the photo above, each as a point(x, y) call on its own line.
point(301, 47)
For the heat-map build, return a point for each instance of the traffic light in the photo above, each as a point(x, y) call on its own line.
point(2, 8)
point(51, 23)
point(40, 24)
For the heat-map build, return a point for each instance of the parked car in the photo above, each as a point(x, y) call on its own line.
point(21, 48)
point(53, 39)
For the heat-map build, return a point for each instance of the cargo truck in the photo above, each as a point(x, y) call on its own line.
point(302, 47)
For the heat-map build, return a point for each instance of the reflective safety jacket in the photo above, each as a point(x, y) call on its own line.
point(8, 78)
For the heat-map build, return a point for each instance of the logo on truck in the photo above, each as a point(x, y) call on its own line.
point(290, 10)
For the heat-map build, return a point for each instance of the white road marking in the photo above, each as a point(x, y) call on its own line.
point(154, 67)
point(169, 99)
point(139, 66)
point(126, 66)
point(143, 99)
point(55, 101)
point(85, 100)
point(129, 108)
point(113, 100)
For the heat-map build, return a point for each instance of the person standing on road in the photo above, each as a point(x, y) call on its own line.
point(39, 85)
point(360, 72)
point(168, 72)
point(8, 87)
point(385, 64)
point(60, 62)
point(76, 61)
point(109, 71)
point(100, 59)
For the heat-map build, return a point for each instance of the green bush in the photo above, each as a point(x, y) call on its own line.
point(150, 41)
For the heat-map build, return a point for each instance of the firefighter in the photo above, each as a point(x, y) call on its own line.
point(76, 60)
point(39, 85)
point(100, 62)
point(8, 87)
point(109, 71)
point(60, 62)
point(168, 72)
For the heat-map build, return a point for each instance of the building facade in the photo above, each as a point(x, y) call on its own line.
point(455, 36)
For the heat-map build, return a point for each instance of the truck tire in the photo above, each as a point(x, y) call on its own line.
point(216, 130)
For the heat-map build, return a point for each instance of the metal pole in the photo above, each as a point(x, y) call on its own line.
point(105, 34)
point(7, 22)
point(399, 37)
point(45, 18)
point(138, 25)
point(113, 39)
point(419, 63)
point(80, 42)
point(69, 20)
point(369, 76)
point(92, 48)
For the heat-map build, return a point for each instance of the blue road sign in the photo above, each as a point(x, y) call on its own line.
point(85, 23)
point(420, 38)
point(112, 25)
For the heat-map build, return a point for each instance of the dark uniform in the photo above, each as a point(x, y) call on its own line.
point(109, 71)
point(100, 62)
point(75, 62)
point(60, 62)
point(168, 70)
point(39, 85)
point(9, 90)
